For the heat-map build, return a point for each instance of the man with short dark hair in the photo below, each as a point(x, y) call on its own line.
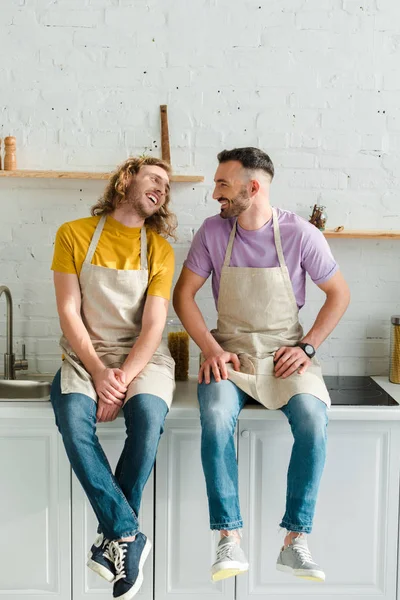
point(259, 257)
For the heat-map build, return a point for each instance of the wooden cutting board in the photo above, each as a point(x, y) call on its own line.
point(165, 149)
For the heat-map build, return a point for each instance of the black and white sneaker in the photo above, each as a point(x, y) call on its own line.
point(129, 559)
point(100, 560)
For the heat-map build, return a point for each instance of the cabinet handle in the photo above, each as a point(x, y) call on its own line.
point(245, 433)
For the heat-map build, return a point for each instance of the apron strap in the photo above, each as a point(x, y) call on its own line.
point(277, 236)
point(95, 240)
point(143, 250)
point(228, 252)
point(279, 251)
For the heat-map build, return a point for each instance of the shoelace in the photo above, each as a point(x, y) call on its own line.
point(225, 551)
point(106, 552)
point(304, 554)
point(116, 552)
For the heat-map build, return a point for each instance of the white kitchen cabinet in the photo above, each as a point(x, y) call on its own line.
point(356, 525)
point(185, 547)
point(35, 535)
point(86, 583)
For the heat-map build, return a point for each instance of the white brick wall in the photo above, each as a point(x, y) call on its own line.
point(314, 82)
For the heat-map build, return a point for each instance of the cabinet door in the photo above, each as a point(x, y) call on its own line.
point(86, 583)
point(185, 546)
point(356, 525)
point(35, 528)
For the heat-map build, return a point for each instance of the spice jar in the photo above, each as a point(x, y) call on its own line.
point(394, 368)
point(178, 344)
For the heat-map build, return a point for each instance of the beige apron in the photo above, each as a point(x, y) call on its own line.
point(112, 308)
point(257, 315)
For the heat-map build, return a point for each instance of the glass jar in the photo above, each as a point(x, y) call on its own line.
point(394, 367)
point(178, 345)
point(319, 216)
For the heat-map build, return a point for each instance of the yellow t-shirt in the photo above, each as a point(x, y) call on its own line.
point(118, 248)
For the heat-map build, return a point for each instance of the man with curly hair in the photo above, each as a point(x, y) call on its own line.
point(112, 275)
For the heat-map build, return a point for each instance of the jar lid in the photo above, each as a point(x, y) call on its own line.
point(395, 320)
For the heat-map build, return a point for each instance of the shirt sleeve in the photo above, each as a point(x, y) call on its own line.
point(316, 255)
point(63, 258)
point(198, 259)
point(161, 280)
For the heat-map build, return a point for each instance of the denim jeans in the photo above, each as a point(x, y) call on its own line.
point(220, 405)
point(115, 499)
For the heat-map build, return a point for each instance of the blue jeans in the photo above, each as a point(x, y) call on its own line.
point(115, 499)
point(220, 405)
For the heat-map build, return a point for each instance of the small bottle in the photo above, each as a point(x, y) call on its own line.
point(394, 368)
point(10, 157)
point(178, 344)
point(319, 216)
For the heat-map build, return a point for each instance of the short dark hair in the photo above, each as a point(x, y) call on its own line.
point(250, 158)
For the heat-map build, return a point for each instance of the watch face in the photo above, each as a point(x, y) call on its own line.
point(308, 349)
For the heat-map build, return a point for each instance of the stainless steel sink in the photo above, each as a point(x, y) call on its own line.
point(16, 389)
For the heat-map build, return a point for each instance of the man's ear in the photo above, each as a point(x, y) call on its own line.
point(254, 187)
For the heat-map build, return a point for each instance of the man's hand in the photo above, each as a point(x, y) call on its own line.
point(106, 412)
point(217, 365)
point(110, 386)
point(289, 359)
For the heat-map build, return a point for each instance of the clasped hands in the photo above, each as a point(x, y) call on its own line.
point(111, 387)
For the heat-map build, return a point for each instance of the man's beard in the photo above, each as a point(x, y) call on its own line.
point(236, 205)
point(142, 211)
point(140, 206)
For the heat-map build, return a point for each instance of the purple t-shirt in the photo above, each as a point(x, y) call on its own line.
point(304, 247)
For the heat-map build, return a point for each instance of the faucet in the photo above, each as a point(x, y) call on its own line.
point(10, 364)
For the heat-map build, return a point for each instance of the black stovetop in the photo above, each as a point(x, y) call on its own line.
point(357, 391)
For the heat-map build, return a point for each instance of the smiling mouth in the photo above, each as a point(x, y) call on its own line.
point(153, 198)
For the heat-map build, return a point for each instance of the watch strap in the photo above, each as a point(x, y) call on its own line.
point(303, 345)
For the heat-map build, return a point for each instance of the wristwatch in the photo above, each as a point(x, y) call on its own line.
point(307, 348)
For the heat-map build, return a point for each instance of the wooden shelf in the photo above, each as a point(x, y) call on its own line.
point(328, 233)
point(349, 233)
point(85, 175)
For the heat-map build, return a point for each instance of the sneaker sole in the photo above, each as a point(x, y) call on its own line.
point(100, 570)
point(138, 583)
point(302, 573)
point(229, 571)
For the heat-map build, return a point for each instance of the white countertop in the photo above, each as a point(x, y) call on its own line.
point(185, 406)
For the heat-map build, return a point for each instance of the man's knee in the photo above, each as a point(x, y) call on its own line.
point(308, 416)
point(75, 415)
point(218, 410)
point(146, 412)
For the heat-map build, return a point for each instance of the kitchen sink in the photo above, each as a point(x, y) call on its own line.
point(17, 389)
